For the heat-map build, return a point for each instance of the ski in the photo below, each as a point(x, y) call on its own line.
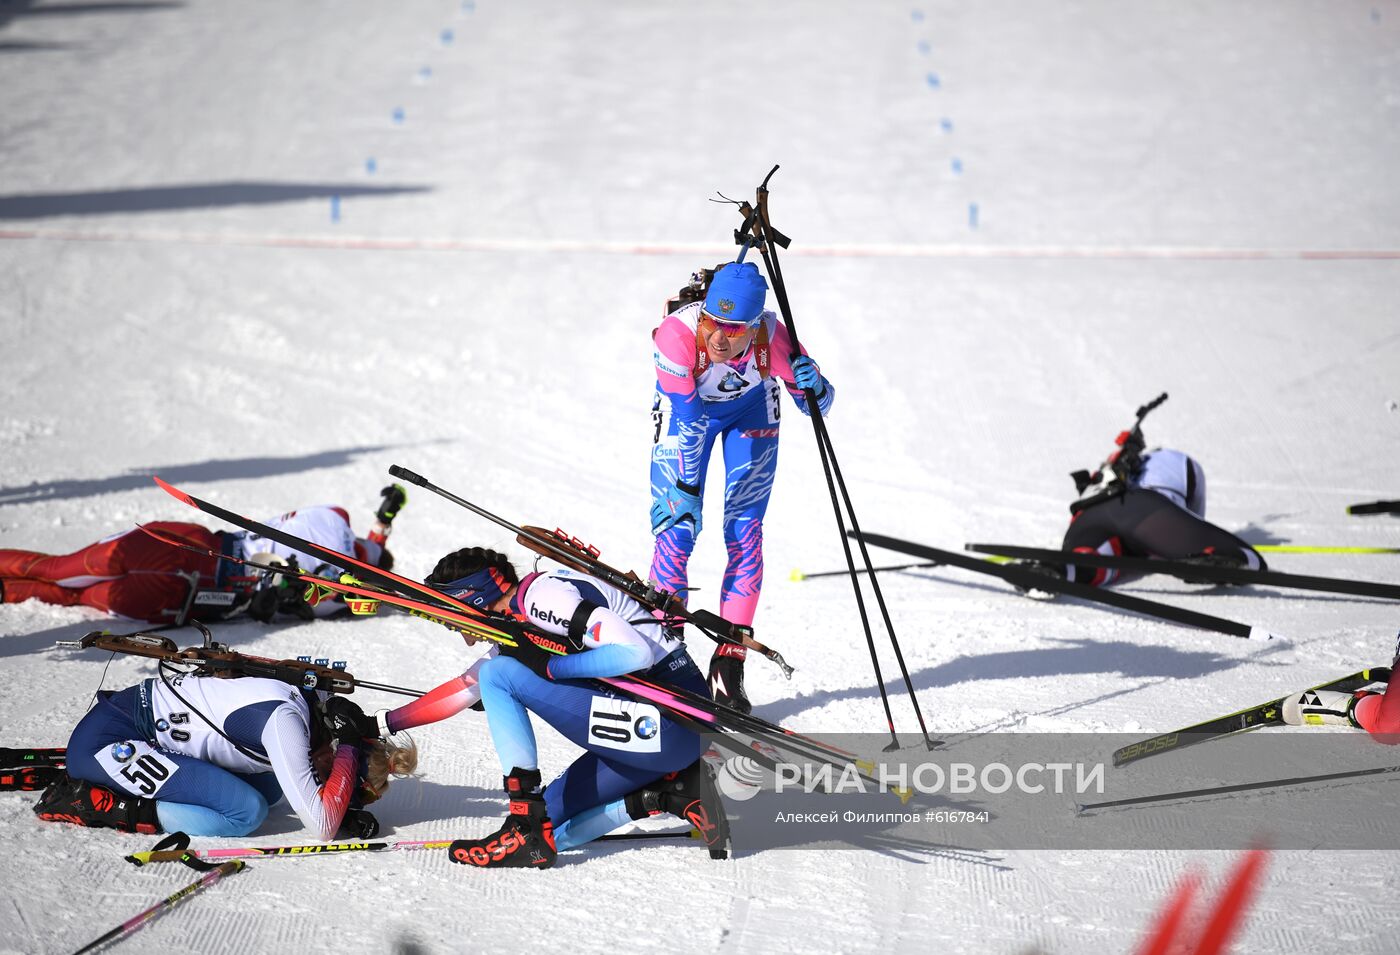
point(1375, 507)
point(49, 756)
point(562, 548)
point(343, 848)
point(1195, 572)
point(798, 574)
point(1233, 788)
point(28, 770)
point(1268, 713)
point(1321, 549)
point(695, 711)
point(1029, 580)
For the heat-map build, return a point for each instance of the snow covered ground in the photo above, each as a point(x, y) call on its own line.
point(268, 249)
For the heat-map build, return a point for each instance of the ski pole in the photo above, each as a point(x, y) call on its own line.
point(278, 852)
point(170, 901)
point(767, 241)
point(341, 848)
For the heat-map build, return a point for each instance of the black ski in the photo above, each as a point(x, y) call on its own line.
point(27, 770)
point(35, 756)
point(1193, 571)
point(1234, 788)
point(1269, 713)
point(1029, 580)
point(1375, 507)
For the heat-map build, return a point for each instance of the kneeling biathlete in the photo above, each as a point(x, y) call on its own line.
point(637, 762)
point(209, 756)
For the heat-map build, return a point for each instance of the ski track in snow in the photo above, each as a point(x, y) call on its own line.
point(1212, 213)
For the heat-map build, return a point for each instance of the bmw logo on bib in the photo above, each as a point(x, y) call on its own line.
point(162, 726)
point(647, 727)
point(123, 752)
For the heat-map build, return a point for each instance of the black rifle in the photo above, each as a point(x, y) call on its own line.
point(1121, 461)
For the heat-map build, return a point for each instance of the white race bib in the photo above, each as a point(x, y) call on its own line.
point(624, 724)
point(137, 767)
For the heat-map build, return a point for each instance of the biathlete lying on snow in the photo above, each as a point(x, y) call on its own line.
point(1149, 504)
point(721, 364)
point(134, 575)
point(636, 763)
point(208, 756)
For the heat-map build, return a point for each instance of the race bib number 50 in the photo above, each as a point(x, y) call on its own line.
point(624, 724)
point(137, 767)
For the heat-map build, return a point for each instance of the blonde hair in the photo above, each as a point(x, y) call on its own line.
point(387, 758)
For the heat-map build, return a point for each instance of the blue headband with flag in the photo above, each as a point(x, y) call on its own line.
point(480, 589)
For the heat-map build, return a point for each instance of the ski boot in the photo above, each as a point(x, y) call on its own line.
point(88, 804)
point(690, 794)
point(1209, 558)
point(1040, 569)
point(727, 677)
point(1322, 708)
point(525, 839)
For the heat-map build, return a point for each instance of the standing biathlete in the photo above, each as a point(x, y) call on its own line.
point(721, 365)
point(636, 762)
point(208, 756)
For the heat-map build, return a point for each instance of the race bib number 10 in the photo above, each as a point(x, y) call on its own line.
point(624, 724)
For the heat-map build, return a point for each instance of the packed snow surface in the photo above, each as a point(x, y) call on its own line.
point(267, 249)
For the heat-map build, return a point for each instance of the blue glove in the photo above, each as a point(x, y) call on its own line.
point(673, 505)
point(806, 374)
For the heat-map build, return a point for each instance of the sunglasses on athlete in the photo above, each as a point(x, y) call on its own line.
point(730, 329)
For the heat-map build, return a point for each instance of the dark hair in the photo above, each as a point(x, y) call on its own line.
point(467, 561)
